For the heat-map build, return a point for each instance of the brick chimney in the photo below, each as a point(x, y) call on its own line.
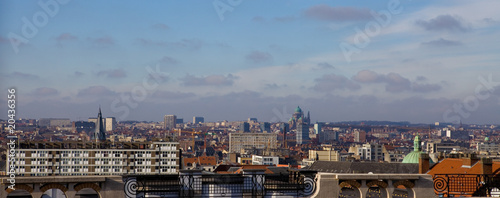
point(440, 156)
point(486, 166)
point(470, 159)
point(423, 163)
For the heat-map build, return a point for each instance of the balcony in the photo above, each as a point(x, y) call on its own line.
point(254, 183)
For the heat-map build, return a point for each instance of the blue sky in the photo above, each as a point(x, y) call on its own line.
point(417, 61)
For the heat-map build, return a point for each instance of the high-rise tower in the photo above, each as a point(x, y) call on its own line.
point(169, 122)
point(100, 133)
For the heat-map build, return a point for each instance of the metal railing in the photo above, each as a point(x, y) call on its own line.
point(195, 184)
point(449, 185)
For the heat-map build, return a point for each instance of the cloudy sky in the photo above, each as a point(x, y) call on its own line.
point(417, 61)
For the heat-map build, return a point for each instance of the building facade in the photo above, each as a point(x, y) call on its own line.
point(239, 141)
point(318, 128)
point(360, 136)
point(327, 136)
point(244, 127)
point(110, 123)
point(265, 160)
point(91, 158)
point(54, 122)
point(302, 135)
point(265, 127)
point(169, 122)
point(197, 120)
point(491, 147)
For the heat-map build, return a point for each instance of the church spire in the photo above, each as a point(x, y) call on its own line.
point(100, 133)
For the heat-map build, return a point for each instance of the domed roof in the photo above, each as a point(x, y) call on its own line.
point(413, 157)
point(298, 110)
point(486, 139)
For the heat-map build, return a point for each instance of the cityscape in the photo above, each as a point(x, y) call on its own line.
point(235, 98)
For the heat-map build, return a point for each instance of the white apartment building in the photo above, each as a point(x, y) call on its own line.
point(91, 158)
point(265, 160)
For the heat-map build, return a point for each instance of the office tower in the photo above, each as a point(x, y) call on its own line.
point(100, 132)
point(244, 127)
point(197, 120)
point(302, 134)
point(265, 127)
point(169, 121)
point(110, 123)
point(317, 128)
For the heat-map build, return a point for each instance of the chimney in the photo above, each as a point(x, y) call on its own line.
point(470, 159)
point(440, 156)
point(486, 166)
point(423, 163)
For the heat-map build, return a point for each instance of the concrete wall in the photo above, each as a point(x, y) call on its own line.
point(110, 186)
point(328, 184)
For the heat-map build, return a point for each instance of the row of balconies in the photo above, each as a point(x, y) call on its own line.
point(100, 171)
point(96, 163)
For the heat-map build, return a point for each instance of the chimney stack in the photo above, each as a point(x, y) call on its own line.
point(470, 159)
point(486, 166)
point(423, 163)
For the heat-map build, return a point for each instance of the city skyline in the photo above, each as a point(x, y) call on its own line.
point(421, 62)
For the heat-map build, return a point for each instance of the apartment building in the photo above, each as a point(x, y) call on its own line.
point(96, 158)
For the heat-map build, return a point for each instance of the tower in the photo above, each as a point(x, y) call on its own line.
point(417, 144)
point(169, 122)
point(100, 133)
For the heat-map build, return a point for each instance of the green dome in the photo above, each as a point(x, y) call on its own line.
point(486, 139)
point(413, 157)
point(298, 110)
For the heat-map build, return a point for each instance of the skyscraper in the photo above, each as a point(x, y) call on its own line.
point(302, 135)
point(110, 123)
point(265, 127)
point(317, 128)
point(170, 121)
point(197, 120)
point(100, 133)
point(244, 127)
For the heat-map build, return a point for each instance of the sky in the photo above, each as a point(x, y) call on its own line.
point(417, 61)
